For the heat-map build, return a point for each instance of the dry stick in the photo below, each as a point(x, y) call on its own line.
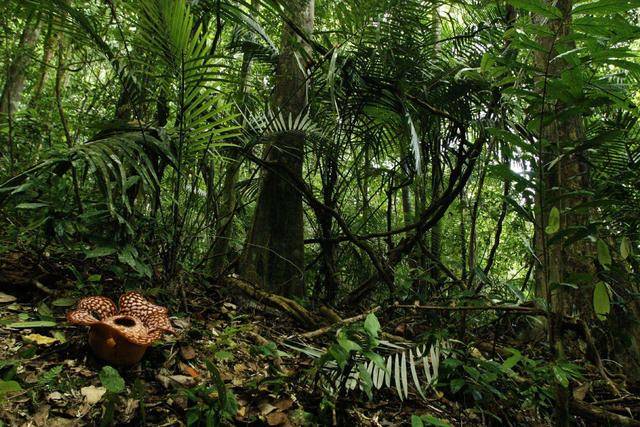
point(513, 308)
point(326, 329)
point(617, 400)
point(600, 415)
point(596, 355)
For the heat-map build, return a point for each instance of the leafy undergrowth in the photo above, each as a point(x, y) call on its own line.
point(235, 361)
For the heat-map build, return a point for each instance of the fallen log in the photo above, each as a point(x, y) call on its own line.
point(307, 319)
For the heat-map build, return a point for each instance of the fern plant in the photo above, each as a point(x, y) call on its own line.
point(359, 359)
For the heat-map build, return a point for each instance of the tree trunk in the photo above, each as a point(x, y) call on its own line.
point(560, 187)
point(274, 253)
point(14, 85)
point(228, 207)
point(47, 56)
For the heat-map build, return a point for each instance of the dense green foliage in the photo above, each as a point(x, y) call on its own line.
point(455, 153)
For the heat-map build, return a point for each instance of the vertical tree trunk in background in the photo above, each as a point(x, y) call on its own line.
point(562, 186)
point(436, 190)
point(475, 213)
point(329, 247)
point(47, 55)
point(572, 261)
point(14, 83)
point(274, 253)
point(436, 166)
point(15, 78)
point(229, 202)
point(463, 241)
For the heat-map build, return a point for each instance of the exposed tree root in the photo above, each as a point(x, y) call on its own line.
point(307, 319)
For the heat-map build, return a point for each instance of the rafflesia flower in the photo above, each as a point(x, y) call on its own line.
point(121, 337)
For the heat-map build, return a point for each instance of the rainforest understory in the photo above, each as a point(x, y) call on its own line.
point(311, 212)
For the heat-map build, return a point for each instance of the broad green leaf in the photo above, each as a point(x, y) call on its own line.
point(376, 359)
point(31, 205)
point(601, 301)
point(512, 360)
point(111, 380)
point(100, 252)
point(416, 421)
point(365, 380)
point(560, 376)
point(605, 7)
point(347, 344)
point(604, 256)
point(32, 324)
point(553, 224)
point(433, 421)
point(372, 325)
point(63, 302)
point(538, 7)
point(456, 384)
point(9, 386)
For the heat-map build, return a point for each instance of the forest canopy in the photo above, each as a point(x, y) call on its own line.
point(352, 211)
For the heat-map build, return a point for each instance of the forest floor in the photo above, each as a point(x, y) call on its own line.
point(51, 378)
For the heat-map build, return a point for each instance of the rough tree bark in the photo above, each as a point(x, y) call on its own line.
point(563, 175)
point(274, 251)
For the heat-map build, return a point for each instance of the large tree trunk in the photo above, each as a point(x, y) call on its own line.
point(562, 181)
point(560, 188)
point(274, 253)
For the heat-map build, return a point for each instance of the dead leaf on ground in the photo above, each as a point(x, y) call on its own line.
point(266, 408)
point(41, 417)
point(277, 419)
point(284, 404)
point(176, 380)
point(56, 395)
point(187, 352)
point(61, 422)
point(39, 339)
point(580, 392)
point(92, 394)
point(188, 370)
point(6, 298)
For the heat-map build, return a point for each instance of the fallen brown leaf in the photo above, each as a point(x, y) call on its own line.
point(277, 419)
point(92, 394)
point(284, 404)
point(187, 352)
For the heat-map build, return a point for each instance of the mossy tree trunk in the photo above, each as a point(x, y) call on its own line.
point(274, 251)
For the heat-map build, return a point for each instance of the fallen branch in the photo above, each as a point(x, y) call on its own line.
point(336, 325)
point(292, 308)
point(600, 416)
point(512, 308)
